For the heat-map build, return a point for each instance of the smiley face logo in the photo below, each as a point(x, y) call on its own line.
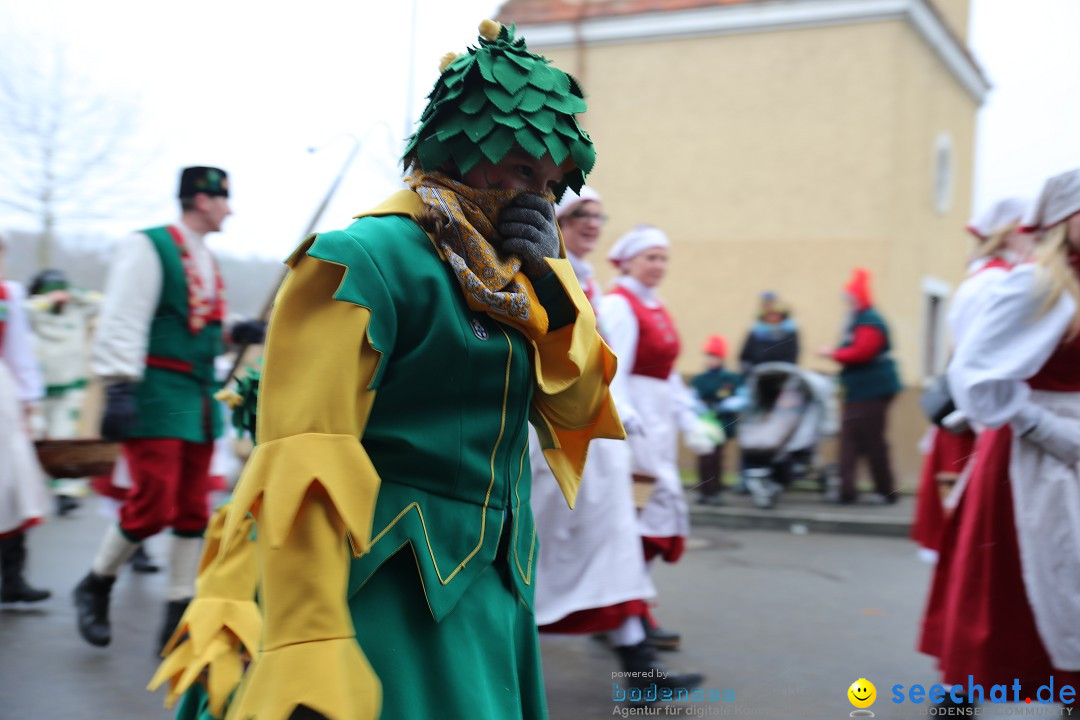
point(862, 693)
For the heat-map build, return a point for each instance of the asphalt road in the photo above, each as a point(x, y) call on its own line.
point(781, 623)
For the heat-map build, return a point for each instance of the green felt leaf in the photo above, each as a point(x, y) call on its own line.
point(452, 78)
point(497, 144)
point(473, 103)
point(568, 104)
point(541, 77)
point(556, 147)
point(565, 125)
point(460, 63)
point(522, 60)
point(514, 121)
point(432, 154)
point(509, 75)
point(487, 68)
point(477, 127)
point(580, 130)
point(466, 156)
point(448, 96)
point(502, 99)
point(448, 131)
point(530, 143)
point(561, 81)
point(531, 100)
point(584, 155)
point(543, 120)
point(575, 86)
point(575, 181)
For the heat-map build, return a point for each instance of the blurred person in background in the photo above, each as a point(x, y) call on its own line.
point(154, 348)
point(590, 573)
point(23, 498)
point(642, 333)
point(774, 337)
point(1000, 244)
point(870, 381)
point(1004, 606)
point(60, 316)
point(717, 388)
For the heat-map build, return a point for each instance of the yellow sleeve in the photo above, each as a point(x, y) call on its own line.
point(572, 404)
point(310, 485)
point(221, 622)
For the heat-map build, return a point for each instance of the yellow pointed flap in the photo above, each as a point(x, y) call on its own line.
point(222, 663)
point(561, 355)
point(403, 202)
point(280, 472)
point(332, 677)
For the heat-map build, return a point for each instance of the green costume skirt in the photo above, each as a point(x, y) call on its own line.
point(482, 662)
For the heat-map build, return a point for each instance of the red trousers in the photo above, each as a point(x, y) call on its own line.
point(171, 487)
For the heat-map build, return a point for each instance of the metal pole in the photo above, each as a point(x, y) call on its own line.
point(264, 315)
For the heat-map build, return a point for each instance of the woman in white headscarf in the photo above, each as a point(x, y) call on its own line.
point(590, 572)
point(1001, 243)
point(659, 406)
point(1005, 602)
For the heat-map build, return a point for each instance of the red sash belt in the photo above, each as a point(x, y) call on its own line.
point(164, 363)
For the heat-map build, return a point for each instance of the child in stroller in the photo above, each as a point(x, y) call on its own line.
point(788, 413)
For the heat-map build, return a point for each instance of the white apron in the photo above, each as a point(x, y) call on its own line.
point(1046, 499)
point(655, 453)
point(590, 557)
point(22, 481)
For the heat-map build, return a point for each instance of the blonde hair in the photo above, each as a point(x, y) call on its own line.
point(1052, 257)
point(995, 242)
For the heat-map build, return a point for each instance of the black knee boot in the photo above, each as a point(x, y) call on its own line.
point(13, 586)
point(642, 660)
point(91, 598)
point(174, 612)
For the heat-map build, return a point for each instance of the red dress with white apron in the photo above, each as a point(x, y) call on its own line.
point(664, 521)
point(949, 453)
point(979, 619)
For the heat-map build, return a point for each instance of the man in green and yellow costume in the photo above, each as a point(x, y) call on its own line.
point(390, 483)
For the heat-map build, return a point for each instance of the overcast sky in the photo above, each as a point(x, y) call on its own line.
point(250, 89)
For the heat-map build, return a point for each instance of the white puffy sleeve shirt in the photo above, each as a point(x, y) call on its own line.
point(18, 346)
point(1008, 341)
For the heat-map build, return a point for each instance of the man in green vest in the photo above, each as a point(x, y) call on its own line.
point(154, 349)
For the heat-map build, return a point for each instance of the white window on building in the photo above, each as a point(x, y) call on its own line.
point(944, 166)
point(935, 353)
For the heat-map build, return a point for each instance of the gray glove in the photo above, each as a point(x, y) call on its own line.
point(1057, 435)
point(528, 228)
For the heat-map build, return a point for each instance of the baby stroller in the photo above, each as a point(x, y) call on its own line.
point(789, 411)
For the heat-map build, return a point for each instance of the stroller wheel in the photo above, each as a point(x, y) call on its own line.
point(763, 491)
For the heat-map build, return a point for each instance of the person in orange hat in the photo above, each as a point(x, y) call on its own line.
point(870, 381)
point(716, 387)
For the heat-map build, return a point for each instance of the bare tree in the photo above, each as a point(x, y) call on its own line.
point(66, 148)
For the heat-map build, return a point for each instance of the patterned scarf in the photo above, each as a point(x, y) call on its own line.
point(492, 283)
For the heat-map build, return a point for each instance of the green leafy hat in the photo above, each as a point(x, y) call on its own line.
point(498, 96)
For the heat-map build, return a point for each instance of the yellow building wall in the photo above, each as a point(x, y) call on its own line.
point(780, 161)
point(957, 14)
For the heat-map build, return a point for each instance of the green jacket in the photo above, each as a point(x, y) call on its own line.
point(877, 377)
point(431, 442)
point(175, 397)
